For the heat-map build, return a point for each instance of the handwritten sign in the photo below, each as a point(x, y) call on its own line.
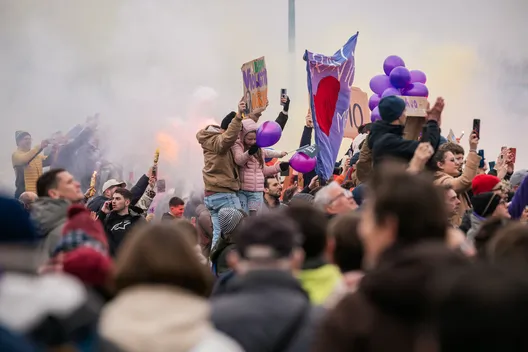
point(359, 112)
point(415, 106)
point(309, 150)
point(255, 78)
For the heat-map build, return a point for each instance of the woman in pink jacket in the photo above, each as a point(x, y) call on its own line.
point(252, 168)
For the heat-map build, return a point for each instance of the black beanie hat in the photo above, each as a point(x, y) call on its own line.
point(19, 135)
point(391, 108)
point(485, 204)
point(227, 120)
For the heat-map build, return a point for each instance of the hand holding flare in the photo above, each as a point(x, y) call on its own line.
point(91, 191)
point(155, 166)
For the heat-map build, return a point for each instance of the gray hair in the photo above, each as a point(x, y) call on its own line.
point(324, 196)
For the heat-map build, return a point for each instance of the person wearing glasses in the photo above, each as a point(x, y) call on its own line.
point(335, 200)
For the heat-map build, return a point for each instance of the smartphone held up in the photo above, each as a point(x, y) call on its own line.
point(283, 95)
point(476, 127)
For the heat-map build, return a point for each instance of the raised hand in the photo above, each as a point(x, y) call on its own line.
point(309, 121)
point(473, 141)
point(422, 154)
point(241, 107)
point(436, 112)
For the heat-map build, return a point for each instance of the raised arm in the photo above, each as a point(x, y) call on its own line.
point(20, 158)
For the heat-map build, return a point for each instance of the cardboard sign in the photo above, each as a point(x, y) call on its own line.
point(358, 114)
point(255, 78)
point(309, 150)
point(415, 106)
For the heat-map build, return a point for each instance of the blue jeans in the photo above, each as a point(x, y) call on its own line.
point(216, 202)
point(250, 200)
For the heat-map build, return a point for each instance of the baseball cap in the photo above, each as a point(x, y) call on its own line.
point(112, 183)
point(269, 236)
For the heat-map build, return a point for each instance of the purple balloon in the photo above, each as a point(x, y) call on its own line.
point(302, 163)
point(390, 91)
point(374, 101)
point(418, 76)
point(375, 115)
point(268, 134)
point(400, 77)
point(416, 90)
point(379, 83)
point(391, 63)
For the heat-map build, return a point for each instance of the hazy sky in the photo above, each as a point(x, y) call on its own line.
point(152, 67)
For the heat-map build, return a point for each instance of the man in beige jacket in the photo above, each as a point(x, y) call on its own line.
point(220, 174)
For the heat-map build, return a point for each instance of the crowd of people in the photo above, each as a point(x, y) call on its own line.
point(412, 245)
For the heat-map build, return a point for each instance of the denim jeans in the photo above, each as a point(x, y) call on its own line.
point(250, 200)
point(216, 202)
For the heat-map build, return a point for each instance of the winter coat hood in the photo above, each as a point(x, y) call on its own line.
point(248, 125)
point(210, 131)
point(158, 319)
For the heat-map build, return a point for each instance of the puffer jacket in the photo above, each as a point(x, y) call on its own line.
point(252, 174)
point(461, 185)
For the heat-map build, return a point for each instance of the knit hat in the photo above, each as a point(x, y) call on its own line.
point(485, 204)
point(85, 247)
point(391, 108)
point(17, 226)
point(227, 120)
point(358, 194)
point(518, 177)
point(229, 218)
point(484, 183)
point(19, 135)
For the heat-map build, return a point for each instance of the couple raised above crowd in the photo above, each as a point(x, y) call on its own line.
point(234, 166)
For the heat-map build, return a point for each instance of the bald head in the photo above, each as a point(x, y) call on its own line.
point(27, 198)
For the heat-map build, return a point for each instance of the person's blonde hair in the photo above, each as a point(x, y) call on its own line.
point(161, 254)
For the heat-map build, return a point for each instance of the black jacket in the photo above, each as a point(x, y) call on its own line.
point(386, 141)
point(167, 216)
point(259, 308)
point(139, 188)
point(118, 226)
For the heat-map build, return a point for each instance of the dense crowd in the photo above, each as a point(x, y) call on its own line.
point(412, 245)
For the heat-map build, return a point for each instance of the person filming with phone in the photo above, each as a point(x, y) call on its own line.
point(118, 219)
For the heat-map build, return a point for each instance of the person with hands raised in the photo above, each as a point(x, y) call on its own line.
point(386, 136)
point(253, 170)
point(28, 163)
point(220, 173)
point(283, 115)
point(447, 172)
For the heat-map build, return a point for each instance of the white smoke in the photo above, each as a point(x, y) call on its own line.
point(142, 64)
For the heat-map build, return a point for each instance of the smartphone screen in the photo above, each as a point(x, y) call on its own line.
point(425, 135)
point(476, 127)
point(284, 94)
point(513, 152)
point(491, 165)
point(481, 153)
